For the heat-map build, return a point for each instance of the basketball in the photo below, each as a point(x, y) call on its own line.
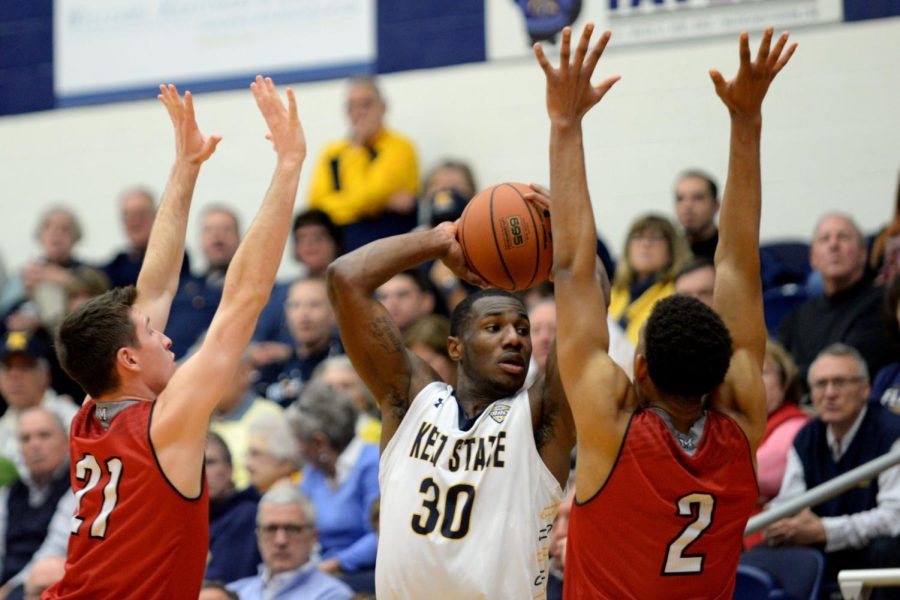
point(506, 239)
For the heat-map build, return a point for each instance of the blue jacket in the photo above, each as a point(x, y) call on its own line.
point(343, 514)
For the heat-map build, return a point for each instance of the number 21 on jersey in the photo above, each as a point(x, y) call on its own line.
point(89, 469)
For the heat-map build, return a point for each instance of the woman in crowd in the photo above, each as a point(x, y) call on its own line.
point(785, 419)
point(654, 252)
point(340, 477)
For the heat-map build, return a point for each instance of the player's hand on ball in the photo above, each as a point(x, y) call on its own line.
point(454, 258)
point(540, 196)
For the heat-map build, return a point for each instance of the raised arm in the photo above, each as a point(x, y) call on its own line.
point(183, 408)
point(158, 280)
point(371, 338)
point(595, 386)
point(737, 295)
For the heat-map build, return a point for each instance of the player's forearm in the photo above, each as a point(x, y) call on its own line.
point(252, 271)
point(373, 264)
point(741, 205)
point(165, 250)
point(572, 220)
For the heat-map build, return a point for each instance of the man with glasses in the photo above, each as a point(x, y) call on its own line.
point(286, 533)
point(861, 527)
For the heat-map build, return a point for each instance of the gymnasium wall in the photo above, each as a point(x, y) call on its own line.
point(831, 136)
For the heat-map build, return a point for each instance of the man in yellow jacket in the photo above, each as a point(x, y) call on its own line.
point(367, 183)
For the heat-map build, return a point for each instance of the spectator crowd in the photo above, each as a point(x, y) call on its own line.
point(292, 456)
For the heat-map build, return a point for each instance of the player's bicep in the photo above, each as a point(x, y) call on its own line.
point(742, 396)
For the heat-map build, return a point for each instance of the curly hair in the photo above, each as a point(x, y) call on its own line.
point(687, 347)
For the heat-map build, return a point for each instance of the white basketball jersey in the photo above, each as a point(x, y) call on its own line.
point(464, 514)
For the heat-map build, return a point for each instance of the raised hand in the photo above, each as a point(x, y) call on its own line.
point(285, 129)
point(744, 94)
point(190, 143)
point(569, 91)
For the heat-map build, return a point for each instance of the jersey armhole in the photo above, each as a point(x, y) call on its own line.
point(162, 471)
point(612, 469)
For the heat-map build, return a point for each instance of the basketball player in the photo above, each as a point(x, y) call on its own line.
point(665, 474)
point(140, 528)
point(471, 477)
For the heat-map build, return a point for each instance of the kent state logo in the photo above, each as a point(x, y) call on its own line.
point(614, 4)
point(499, 412)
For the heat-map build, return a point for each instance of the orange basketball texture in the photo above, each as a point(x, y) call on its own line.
point(506, 239)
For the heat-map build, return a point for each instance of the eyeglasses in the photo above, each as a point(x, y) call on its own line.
point(840, 383)
point(291, 530)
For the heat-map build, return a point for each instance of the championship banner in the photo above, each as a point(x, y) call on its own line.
point(107, 47)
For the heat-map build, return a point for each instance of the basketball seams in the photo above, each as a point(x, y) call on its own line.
point(462, 241)
point(512, 281)
point(537, 242)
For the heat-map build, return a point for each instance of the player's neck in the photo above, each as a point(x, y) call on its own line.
point(472, 398)
point(682, 412)
point(128, 390)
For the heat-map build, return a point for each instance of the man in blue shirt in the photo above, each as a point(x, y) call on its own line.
point(286, 533)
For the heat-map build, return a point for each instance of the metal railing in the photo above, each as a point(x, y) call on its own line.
point(857, 584)
point(823, 492)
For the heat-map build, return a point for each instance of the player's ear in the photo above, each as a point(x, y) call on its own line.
point(640, 367)
point(454, 348)
point(126, 357)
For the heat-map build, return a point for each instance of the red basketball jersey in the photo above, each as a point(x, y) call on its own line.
point(133, 534)
point(665, 524)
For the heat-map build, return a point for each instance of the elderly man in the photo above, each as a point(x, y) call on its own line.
point(25, 383)
point(367, 183)
point(286, 533)
point(859, 528)
point(28, 505)
point(850, 311)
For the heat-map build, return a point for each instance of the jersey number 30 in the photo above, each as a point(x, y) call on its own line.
point(458, 499)
point(700, 507)
point(88, 468)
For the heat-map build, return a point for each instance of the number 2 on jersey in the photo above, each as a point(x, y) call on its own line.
point(677, 563)
point(88, 468)
point(451, 527)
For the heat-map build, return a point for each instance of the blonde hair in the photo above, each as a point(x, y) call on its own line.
point(679, 251)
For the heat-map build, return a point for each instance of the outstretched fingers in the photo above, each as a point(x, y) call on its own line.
point(583, 45)
point(762, 55)
point(542, 59)
point(597, 51)
point(744, 50)
point(564, 50)
point(784, 59)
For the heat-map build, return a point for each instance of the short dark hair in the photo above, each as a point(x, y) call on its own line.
point(687, 347)
point(91, 335)
point(698, 174)
point(695, 264)
point(462, 314)
point(315, 216)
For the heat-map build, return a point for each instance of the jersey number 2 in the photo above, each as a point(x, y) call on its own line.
point(451, 527)
point(677, 563)
point(88, 468)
